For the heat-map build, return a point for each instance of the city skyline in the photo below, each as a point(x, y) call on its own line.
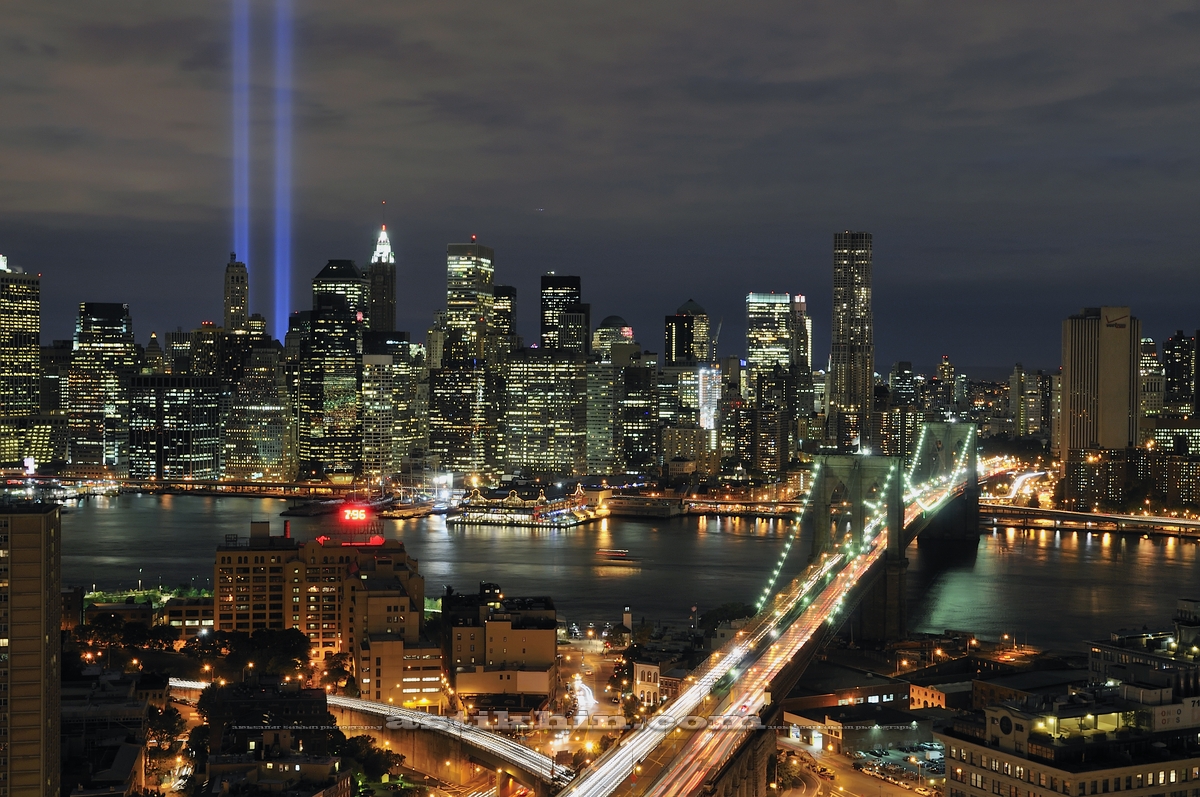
point(1005, 151)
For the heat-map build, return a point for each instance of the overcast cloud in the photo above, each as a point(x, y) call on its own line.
point(1015, 161)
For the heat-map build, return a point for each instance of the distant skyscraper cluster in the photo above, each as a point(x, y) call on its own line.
point(346, 396)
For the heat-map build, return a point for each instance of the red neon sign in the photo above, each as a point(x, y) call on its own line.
point(354, 513)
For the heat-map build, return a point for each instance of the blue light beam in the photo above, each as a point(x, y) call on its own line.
point(241, 129)
point(283, 165)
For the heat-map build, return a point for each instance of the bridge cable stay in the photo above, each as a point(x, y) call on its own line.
point(792, 537)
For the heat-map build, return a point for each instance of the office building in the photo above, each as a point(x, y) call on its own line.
point(205, 349)
point(258, 440)
point(1100, 380)
point(237, 295)
point(381, 285)
point(464, 409)
point(849, 391)
point(55, 365)
point(635, 395)
point(902, 385)
point(104, 358)
point(802, 331)
point(20, 341)
point(1118, 740)
point(768, 332)
point(686, 336)
point(30, 616)
point(1153, 381)
point(470, 269)
point(174, 428)
point(559, 293)
point(601, 417)
point(500, 646)
point(545, 416)
point(154, 361)
point(342, 278)
point(613, 329)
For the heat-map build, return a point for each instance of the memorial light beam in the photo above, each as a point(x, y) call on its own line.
point(283, 165)
point(241, 129)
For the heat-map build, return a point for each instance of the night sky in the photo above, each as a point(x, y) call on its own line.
point(1014, 161)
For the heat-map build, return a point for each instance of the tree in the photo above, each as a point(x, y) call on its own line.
point(107, 629)
point(165, 725)
point(135, 635)
point(336, 671)
point(163, 637)
point(374, 761)
point(197, 742)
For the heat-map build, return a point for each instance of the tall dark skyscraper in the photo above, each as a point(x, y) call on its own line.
point(381, 285)
point(849, 391)
point(237, 295)
point(686, 335)
point(1179, 366)
point(560, 292)
point(20, 341)
point(330, 358)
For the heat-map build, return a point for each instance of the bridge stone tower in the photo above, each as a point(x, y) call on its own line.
point(842, 485)
point(940, 448)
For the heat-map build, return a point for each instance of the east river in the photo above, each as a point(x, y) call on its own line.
point(1049, 589)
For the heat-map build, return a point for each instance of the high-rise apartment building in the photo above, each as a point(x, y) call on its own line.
point(686, 336)
point(237, 295)
point(470, 271)
point(849, 392)
point(20, 341)
point(546, 411)
point(1100, 380)
point(30, 666)
point(104, 358)
point(559, 293)
point(174, 428)
point(381, 285)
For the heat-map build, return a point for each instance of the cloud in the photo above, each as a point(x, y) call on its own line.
point(679, 149)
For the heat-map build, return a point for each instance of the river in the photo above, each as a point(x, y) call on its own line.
point(1049, 589)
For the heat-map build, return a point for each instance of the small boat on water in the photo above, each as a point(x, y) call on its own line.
point(615, 556)
point(413, 510)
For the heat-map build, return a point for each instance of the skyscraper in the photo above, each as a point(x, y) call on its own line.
point(470, 272)
point(559, 292)
point(1151, 399)
point(802, 321)
point(174, 427)
point(381, 285)
point(546, 411)
point(768, 333)
point(257, 440)
point(613, 329)
point(686, 336)
point(1100, 380)
point(97, 388)
point(20, 341)
point(237, 295)
point(849, 392)
point(30, 668)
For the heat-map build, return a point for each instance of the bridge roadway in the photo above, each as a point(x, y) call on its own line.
point(1006, 513)
point(512, 754)
point(751, 661)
